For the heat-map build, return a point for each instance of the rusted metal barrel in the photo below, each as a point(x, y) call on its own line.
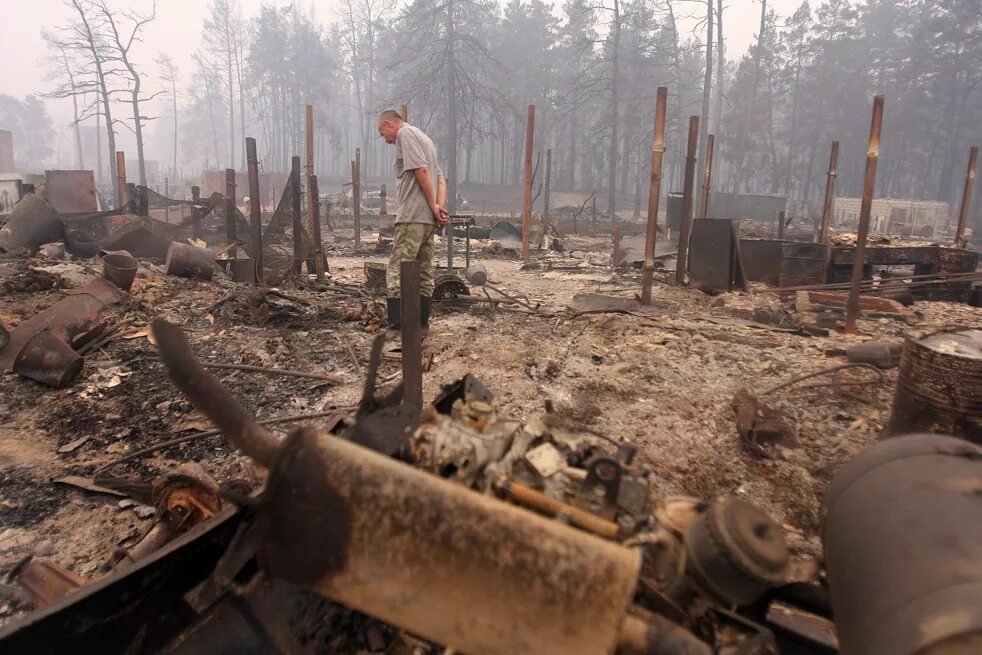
point(184, 260)
point(457, 567)
point(49, 360)
point(940, 386)
point(120, 269)
point(903, 541)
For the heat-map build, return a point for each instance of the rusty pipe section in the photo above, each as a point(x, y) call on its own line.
point(452, 565)
point(209, 397)
point(903, 542)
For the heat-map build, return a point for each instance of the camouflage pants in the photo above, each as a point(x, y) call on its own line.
point(413, 242)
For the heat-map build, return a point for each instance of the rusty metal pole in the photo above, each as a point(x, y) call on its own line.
point(195, 212)
point(297, 222)
point(356, 195)
point(312, 219)
point(231, 233)
point(255, 209)
point(405, 113)
point(872, 156)
point(545, 210)
point(823, 232)
point(527, 202)
point(707, 177)
point(616, 257)
point(690, 175)
point(412, 347)
point(166, 204)
point(121, 177)
point(320, 264)
point(382, 213)
point(973, 160)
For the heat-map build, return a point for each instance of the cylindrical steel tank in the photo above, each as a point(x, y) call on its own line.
point(455, 566)
point(940, 386)
point(902, 532)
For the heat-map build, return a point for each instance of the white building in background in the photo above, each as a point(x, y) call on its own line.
point(918, 218)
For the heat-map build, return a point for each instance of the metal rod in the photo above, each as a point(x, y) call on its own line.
point(449, 232)
point(690, 175)
point(231, 234)
point(210, 398)
point(255, 209)
point(167, 202)
point(545, 210)
point(615, 259)
point(871, 286)
point(872, 156)
point(467, 247)
point(973, 160)
point(823, 232)
point(412, 349)
point(121, 177)
point(312, 205)
point(527, 203)
point(593, 213)
point(195, 212)
point(297, 224)
point(405, 113)
point(781, 219)
point(654, 192)
point(336, 379)
point(356, 195)
point(537, 500)
point(319, 262)
point(707, 177)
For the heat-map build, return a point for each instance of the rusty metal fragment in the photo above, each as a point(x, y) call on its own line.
point(32, 223)
point(184, 260)
point(45, 581)
point(939, 388)
point(902, 547)
point(761, 426)
point(71, 192)
point(49, 360)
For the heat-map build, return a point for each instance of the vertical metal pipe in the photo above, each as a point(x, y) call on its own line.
point(872, 156)
point(297, 223)
point(121, 177)
point(382, 213)
point(356, 194)
point(319, 262)
point(231, 233)
point(527, 203)
point(545, 210)
point(255, 209)
point(593, 213)
point(448, 231)
point(690, 175)
point(823, 233)
point(973, 160)
point(615, 259)
point(781, 219)
point(166, 204)
point(195, 212)
point(412, 349)
point(312, 200)
point(707, 177)
point(405, 113)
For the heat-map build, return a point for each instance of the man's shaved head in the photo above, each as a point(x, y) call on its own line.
point(389, 122)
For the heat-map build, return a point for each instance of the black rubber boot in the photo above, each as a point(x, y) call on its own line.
point(394, 307)
point(425, 305)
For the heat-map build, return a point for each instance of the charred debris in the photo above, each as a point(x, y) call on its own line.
point(427, 502)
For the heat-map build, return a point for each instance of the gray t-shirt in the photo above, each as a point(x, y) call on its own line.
point(414, 150)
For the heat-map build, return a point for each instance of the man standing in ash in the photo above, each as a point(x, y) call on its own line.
point(421, 193)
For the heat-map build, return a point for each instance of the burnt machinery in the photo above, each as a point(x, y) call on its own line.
point(490, 536)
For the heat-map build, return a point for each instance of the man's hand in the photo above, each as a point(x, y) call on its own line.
point(440, 214)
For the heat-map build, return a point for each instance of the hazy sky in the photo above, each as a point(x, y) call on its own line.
point(178, 27)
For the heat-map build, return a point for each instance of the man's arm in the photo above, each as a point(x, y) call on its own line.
point(425, 182)
point(441, 191)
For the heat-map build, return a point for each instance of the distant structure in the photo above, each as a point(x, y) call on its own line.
point(6, 152)
point(916, 218)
